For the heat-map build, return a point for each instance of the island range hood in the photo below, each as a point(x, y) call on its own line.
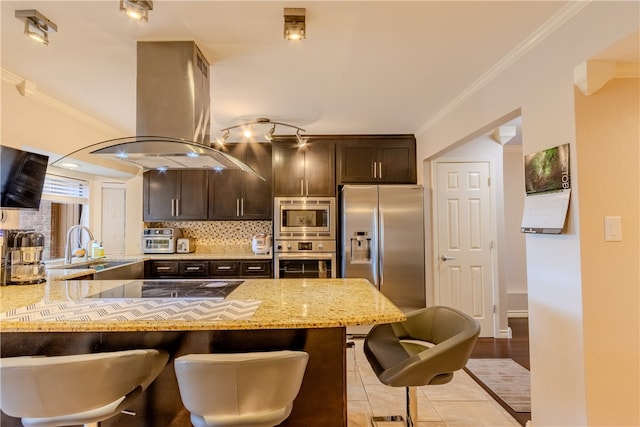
point(172, 115)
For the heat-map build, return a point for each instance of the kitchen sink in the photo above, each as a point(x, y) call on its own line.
point(96, 265)
point(109, 269)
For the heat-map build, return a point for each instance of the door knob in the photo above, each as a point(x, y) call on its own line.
point(446, 258)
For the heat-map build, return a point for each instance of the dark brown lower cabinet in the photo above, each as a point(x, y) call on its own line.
point(161, 269)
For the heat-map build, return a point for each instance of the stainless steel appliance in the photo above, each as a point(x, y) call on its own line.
point(22, 262)
point(382, 240)
point(304, 217)
point(160, 240)
point(305, 259)
point(305, 237)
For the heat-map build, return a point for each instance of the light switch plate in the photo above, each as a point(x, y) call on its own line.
point(612, 229)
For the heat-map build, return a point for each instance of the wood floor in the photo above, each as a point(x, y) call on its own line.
point(516, 348)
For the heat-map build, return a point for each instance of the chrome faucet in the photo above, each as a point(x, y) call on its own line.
point(67, 246)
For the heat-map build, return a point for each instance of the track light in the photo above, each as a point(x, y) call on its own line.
point(269, 135)
point(137, 9)
point(294, 23)
point(222, 138)
point(36, 25)
point(301, 141)
point(248, 130)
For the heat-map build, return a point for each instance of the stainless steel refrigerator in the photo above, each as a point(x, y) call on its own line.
point(382, 240)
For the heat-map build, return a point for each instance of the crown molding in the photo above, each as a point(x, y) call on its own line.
point(592, 75)
point(29, 88)
point(540, 34)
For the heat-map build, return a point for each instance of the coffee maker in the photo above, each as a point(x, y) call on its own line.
point(22, 262)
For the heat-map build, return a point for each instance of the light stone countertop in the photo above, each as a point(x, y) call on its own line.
point(284, 304)
point(210, 253)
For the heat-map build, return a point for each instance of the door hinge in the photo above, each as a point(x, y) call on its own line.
point(495, 309)
point(489, 181)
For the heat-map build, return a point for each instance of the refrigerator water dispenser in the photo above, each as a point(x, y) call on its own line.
point(360, 247)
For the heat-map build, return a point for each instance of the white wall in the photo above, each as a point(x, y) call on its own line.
point(36, 121)
point(514, 254)
point(540, 84)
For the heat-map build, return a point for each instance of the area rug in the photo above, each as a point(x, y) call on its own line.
point(506, 378)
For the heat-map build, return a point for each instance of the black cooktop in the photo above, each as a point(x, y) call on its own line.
point(212, 289)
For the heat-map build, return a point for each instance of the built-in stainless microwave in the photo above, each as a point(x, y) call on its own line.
point(304, 217)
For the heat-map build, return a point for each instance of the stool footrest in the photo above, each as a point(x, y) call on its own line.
point(386, 419)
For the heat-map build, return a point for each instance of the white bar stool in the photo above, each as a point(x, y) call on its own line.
point(240, 389)
point(77, 389)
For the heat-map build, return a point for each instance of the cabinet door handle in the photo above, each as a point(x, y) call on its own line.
point(163, 268)
point(257, 267)
point(241, 207)
point(173, 207)
point(379, 170)
point(307, 187)
point(194, 268)
point(237, 207)
point(375, 170)
point(224, 267)
point(177, 207)
point(302, 187)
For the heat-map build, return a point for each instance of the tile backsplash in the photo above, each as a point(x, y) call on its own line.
point(210, 233)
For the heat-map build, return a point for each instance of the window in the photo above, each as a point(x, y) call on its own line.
point(64, 203)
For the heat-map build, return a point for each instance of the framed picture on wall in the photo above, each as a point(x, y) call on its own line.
point(548, 189)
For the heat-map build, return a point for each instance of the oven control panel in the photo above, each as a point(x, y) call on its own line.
point(305, 246)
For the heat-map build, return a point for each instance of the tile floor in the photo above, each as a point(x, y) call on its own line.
point(462, 402)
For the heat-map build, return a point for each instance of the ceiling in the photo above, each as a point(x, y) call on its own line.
point(365, 67)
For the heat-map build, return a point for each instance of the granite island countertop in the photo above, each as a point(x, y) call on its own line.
point(276, 304)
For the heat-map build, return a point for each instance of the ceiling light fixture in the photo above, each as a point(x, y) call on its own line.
point(269, 135)
point(301, 141)
point(248, 128)
point(222, 138)
point(294, 23)
point(36, 25)
point(137, 9)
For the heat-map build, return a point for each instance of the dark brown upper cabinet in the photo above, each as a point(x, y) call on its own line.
point(379, 159)
point(304, 171)
point(175, 195)
point(238, 195)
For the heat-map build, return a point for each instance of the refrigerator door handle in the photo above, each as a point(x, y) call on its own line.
point(381, 247)
point(375, 252)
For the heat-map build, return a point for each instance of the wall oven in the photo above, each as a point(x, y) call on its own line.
point(304, 237)
point(305, 259)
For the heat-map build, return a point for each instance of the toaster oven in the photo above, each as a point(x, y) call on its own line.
point(160, 240)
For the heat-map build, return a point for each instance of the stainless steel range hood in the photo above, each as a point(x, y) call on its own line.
point(172, 91)
point(172, 101)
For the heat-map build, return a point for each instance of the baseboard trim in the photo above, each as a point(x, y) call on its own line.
point(505, 333)
point(518, 313)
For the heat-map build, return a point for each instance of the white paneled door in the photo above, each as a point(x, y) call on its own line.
point(113, 218)
point(464, 277)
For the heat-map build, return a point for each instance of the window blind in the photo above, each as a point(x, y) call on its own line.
point(62, 189)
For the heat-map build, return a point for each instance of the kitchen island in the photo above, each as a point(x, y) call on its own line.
point(258, 315)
